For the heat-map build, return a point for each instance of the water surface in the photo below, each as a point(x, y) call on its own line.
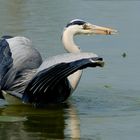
point(106, 104)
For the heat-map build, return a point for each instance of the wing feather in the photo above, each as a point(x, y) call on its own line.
point(46, 84)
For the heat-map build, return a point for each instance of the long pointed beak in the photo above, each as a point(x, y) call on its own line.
point(100, 30)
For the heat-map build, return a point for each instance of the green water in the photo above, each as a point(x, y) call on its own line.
point(106, 104)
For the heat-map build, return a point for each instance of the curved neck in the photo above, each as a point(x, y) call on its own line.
point(71, 47)
point(68, 42)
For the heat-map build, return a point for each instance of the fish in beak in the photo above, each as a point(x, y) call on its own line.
point(94, 29)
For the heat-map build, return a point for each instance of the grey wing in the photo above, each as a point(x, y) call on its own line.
point(50, 85)
point(24, 55)
point(66, 57)
point(6, 62)
point(21, 81)
point(25, 60)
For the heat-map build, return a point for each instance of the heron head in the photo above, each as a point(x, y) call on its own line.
point(78, 26)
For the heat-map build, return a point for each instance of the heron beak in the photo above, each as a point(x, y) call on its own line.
point(94, 29)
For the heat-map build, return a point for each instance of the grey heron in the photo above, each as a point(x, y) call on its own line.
point(30, 80)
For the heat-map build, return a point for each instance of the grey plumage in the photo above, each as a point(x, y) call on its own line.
point(54, 79)
point(66, 57)
point(24, 55)
point(6, 61)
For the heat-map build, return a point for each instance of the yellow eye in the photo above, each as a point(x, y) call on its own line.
point(85, 26)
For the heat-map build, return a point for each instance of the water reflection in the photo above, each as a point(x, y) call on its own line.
point(55, 122)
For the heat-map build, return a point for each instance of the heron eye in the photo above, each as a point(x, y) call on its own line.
point(85, 26)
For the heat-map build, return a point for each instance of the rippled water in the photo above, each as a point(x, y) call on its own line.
point(106, 104)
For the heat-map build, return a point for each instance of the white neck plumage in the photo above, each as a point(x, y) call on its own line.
point(68, 41)
point(71, 47)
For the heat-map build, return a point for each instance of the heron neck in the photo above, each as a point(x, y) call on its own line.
point(71, 47)
point(68, 41)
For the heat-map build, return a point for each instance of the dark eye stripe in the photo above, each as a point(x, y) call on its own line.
point(76, 22)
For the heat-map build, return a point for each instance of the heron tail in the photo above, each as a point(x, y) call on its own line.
point(51, 85)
